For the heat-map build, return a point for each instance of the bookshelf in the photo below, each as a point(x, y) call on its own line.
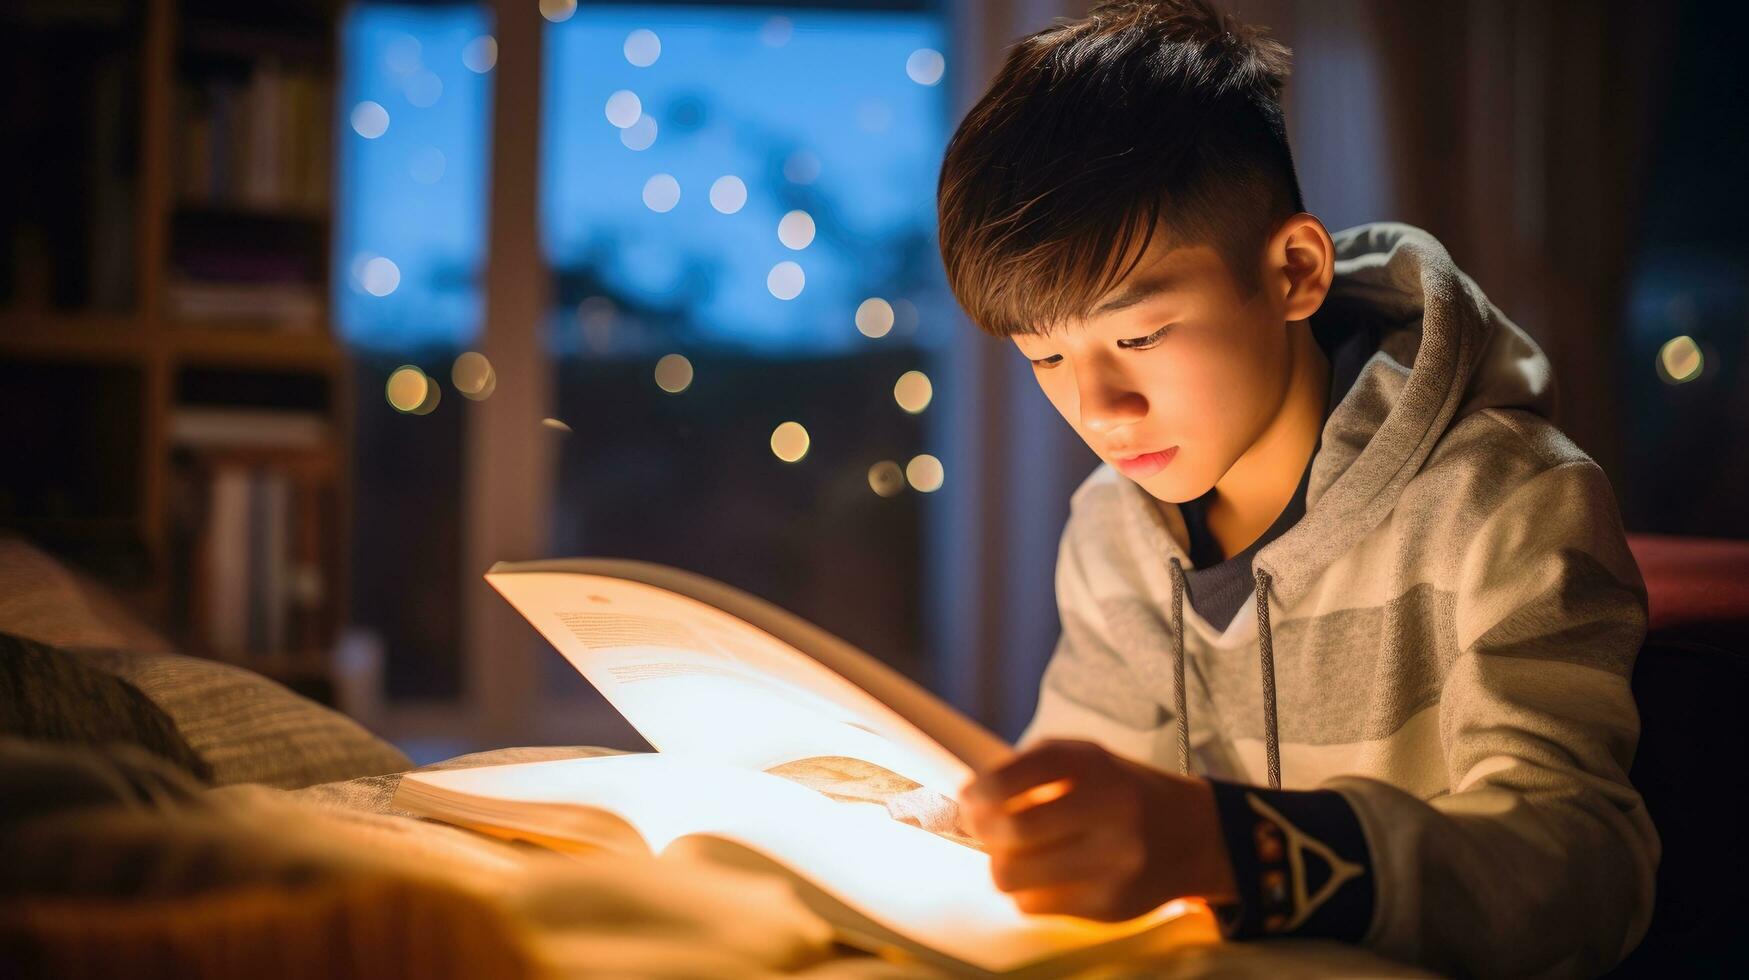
point(173, 402)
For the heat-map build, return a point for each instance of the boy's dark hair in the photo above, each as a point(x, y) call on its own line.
point(1095, 133)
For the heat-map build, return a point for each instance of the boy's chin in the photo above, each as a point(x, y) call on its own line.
point(1172, 488)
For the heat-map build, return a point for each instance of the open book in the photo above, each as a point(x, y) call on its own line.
point(779, 748)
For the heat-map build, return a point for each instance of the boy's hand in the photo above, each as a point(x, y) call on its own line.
point(1074, 829)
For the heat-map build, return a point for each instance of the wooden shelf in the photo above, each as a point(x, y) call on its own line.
point(241, 211)
point(248, 345)
point(142, 365)
point(71, 336)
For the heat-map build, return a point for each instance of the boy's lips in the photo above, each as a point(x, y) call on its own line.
point(1145, 465)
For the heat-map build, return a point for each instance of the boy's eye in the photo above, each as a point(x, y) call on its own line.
point(1142, 343)
point(1132, 343)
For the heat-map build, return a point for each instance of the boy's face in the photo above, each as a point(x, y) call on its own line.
point(1173, 386)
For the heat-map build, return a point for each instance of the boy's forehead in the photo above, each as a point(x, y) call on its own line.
point(1165, 269)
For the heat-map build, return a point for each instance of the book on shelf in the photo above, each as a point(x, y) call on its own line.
point(258, 577)
point(262, 428)
point(780, 748)
point(294, 306)
point(261, 142)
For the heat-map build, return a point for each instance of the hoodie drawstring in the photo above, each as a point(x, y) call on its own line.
point(1266, 663)
point(1266, 657)
point(1183, 702)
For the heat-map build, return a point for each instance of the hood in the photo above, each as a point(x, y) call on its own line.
point(1444, 352)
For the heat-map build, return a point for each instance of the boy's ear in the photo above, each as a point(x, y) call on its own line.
point(1300, 265)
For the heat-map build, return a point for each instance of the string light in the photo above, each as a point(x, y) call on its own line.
point(380, 276)
point(925, 66)
point(473, 376)
point(370, 119)
point(913, 391)
point(796, 230)
point(874, 317)
point(924, 473)
point(785, 281)
point(789, 442)
point(640, 135)
point(673, 373)
point(642, 48)
point(558, 11)
point(728, 194)
point(481, 54)
point(886, 479)
point(407, 387)
point(661, 193)
point(623, 108)
point(1680, 360)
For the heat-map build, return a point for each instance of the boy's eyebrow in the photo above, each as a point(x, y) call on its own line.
point(1142, 289)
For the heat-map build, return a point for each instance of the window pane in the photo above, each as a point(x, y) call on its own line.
point(414, 134)
point(723, 190)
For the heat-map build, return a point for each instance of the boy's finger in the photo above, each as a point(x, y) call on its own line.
point(1040, 825)
point(1047, 763)
point(1078, 859)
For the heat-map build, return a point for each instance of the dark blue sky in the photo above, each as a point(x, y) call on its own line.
point(733, 92)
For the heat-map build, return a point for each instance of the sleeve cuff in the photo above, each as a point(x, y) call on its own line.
point(1300, 863)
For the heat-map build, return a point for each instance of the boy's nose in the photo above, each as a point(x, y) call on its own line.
point(1106, 406)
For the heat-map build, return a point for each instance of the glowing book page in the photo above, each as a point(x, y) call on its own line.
point(699, 681)
point(922, 887)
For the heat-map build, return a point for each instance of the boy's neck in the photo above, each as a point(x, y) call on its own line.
point(1257, 488)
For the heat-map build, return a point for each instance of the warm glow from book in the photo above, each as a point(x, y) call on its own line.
point(916, 883)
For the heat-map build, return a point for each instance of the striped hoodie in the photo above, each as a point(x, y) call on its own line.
point(1420, 731)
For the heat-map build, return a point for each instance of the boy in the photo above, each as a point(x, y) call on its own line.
point(1347, 623)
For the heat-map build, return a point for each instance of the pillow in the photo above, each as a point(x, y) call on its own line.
point(48, 695)
point(44, 600)
point(239, 726)
point(246, 728)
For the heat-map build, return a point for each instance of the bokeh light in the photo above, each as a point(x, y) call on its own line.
point(623, 108)
point(789, 442)
point(785, 281)
point(913, 391)
point(728, 194)
point(673, 373)
point(661, 193)
point(407, 388)
point(473, 376)
point(370, 119)
point(796, 230)
point(423, 88)
point(380, 276)
point(801, 167)
point(402, 55)
point(874, 317)
point(640, 135)
point(481, 54)
point(1680, 360)
point(886, 479)
point(925, 66)
point(776, 31)
point(555, 424)
point(558, 11)
point(643, 47)
point(426, 165)
point(925, 473)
